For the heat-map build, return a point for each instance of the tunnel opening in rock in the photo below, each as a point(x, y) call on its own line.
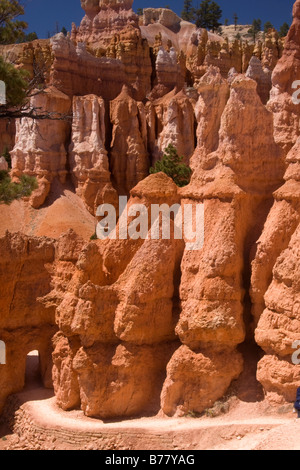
point(33, 377)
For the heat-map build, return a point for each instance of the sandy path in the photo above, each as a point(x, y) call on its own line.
point(247, 426)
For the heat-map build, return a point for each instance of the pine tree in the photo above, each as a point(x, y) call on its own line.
point(30, 37)
point(11, 29)
point(268, 26)
point(255, 29)
point(18, 87)
point(208, 15)
point(235, 20)
point(15, 81)
point(171, 164)
point(188, 12)
point(284, 29)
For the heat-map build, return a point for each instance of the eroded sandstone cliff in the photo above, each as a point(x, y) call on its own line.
point(25, 325)
point(138, 326)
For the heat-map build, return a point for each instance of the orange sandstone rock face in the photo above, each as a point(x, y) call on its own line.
point(25, 325)
point(111, 31)
point(103, 19)
point(274, 282)
point(108, 51)
point(87, 154)
point(40, 148)
point(116, 329)
point(213, 283)
point(287, 71)
point(196, 379)
point(128, 148)
point(120, 381)
point(77, 72)
point(275, 288)
point(213, 94)
point(145, 325)
point(171, 120)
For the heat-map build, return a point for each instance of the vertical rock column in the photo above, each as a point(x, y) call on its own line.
point(171, 120)
point(116, 320)
point(87, 154)
point(275, 268)
point(128, 153)
point(286, 72)
point(275, 289)
point(235, 183)
point(40, 148)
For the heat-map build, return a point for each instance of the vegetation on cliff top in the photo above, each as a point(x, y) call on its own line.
point(171, 164)
point(208, 15)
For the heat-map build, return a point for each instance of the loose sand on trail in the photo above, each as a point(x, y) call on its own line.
point(40, 424)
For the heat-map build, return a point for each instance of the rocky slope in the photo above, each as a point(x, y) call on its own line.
point(139, 326)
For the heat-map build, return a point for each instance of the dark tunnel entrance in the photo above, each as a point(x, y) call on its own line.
point(33, 378)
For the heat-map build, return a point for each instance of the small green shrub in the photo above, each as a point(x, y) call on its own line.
point(10, 191)
point(94, 236)
point(219, 408)
point(192, 414)
point(171, 164)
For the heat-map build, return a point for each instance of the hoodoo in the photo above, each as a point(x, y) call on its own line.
point(146, 327)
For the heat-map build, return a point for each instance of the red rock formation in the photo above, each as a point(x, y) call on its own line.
point(213, 280)
point(77, 72)
point(262, 78)
point(171, 120)
point(272, 50)
point(274, 283)
point(133, 52)
point(196, 379)
point(213, 95)
point(103, 19)
point(275, 288)
point(145, 324)
point(128, 148)
point(120, 381)
point(40, 149)
point(25, 325)
point(125, 60)
point(169, 72)
point(102, 316)
point(87, 154)
point(287, 70)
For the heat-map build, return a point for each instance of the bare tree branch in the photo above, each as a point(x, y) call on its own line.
point(33, 113)
point(36, 85)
